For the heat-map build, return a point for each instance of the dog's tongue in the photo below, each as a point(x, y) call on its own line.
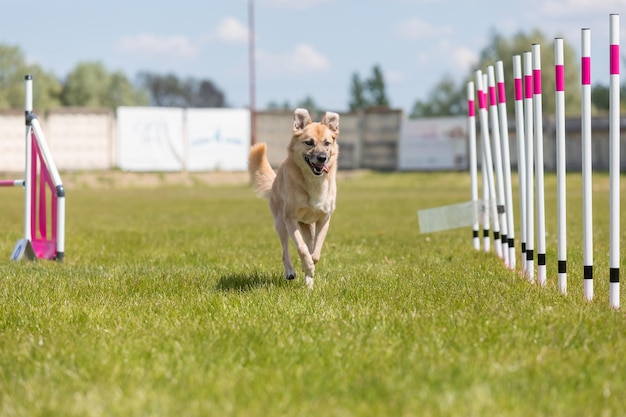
point(325, 168)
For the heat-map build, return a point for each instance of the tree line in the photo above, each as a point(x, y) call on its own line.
point(448, 97)
point(90, 84)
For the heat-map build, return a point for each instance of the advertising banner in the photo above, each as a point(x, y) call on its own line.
point(433, 144)
point(217, 139)
point(150, 138)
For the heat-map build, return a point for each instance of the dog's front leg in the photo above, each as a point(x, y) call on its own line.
point(308, 266)
point(321, 229)
point(283, 234)
point(308, 234)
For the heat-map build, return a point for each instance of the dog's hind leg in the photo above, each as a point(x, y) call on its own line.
point(283, 233)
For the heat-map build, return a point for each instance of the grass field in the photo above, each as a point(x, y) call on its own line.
point(171, 302)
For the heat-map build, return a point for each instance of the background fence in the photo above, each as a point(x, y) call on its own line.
point(217, 139)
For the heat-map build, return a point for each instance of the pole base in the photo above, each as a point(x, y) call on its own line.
point(23, 250)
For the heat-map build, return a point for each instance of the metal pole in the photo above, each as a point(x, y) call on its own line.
point(251, 56)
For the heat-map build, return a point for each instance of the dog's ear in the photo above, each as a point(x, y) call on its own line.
point(332, 121)
point(301, 119)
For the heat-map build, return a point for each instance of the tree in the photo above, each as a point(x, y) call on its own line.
point(444, 99)
point(89, 84)
point(368, 93)
point(376, 87)
point(448, 99)
point(357, 94)
point(122, 92)
point(273, 105)
point(600, 97)
point(501, 48)
point(203, 93)
point(169, 90)
point(310, 104)
point(13, 68)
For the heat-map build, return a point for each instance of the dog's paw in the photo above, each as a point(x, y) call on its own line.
point(290, 276)
point(309, 282)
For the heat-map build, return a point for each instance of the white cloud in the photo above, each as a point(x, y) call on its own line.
point(393, 77)
point(303, 59)
point(423, 58)
point(418, 29)
point(559, 8)
point(228, 30)
point(461, 57)
point(154, 45)
point(464, 57)
point(231, 30)
point(456, 58)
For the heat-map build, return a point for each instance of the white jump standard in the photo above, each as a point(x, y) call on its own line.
point(44, 220)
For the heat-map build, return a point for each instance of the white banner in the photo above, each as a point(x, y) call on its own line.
point(433, 144)
point(150, 138)
point(218, 139)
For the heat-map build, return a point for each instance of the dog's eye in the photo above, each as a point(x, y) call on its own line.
point(309, 142)
point(327, 143)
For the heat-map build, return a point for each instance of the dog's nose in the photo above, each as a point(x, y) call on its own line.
point(321, 158)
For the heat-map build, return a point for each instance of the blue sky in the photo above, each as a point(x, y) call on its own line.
point(303, 47)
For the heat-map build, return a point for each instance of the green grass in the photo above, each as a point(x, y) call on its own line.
point(172, 302)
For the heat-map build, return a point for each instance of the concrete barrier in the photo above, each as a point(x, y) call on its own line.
point(85, 139)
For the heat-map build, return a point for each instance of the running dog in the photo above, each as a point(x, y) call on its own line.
point(302, 192)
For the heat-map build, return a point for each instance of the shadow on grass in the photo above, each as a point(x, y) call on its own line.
point(248, 281)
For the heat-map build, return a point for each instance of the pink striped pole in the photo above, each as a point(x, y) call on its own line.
point(485, 183)
point(497, 238)
point(586, 164)
point(614, 162)
point(528, 126)
point(497, 160)
point(471, 130)
point(559, 75)
point(11, 183)
point(487, 160)
point(506, 163)
point(539, 187)
point(521, 151)
point(486, 198)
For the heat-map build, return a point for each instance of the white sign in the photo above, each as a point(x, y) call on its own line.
point(218, 139)
point(150, 138)
point(433, 144)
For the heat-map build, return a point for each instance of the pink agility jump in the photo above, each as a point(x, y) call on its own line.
point(44, 194)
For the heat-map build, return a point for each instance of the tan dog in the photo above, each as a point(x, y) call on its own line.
point(302, 192)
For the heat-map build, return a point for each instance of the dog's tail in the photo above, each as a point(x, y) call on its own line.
point(261, 173)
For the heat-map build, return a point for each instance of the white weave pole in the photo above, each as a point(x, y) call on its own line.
point(506, 163)
point(485, 206)
point(521, 151)
point(28, 177)
point(530, 203)
point(487, 159)
point(471, 129)
point(614, 162)
point(539, 186)
point(586, 164)
point(497, 161)
point(559, 76)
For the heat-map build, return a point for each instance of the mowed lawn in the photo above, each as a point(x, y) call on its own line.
point(171, 302)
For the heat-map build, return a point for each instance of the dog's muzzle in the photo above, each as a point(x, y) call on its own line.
point(317, 163)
